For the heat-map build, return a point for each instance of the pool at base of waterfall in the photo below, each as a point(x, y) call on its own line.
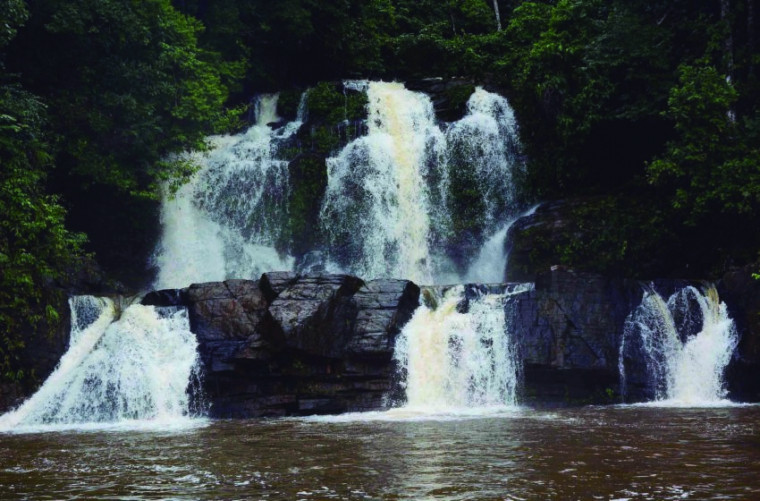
point(585, 453)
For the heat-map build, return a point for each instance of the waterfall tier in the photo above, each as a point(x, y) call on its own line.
point(132, 368)
point(686, 341)
point(457, 352)
point(412, 198)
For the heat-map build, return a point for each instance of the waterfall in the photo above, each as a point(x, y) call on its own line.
point(136, 367)
point(687, 342)
point(377, 199)
point(226, 221)
point(456, 352)
point(491, 261)
point(413, 197)
point(394, 205)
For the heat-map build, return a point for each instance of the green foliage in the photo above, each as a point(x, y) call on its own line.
point(13, 13)
point(611, 234)
point(328, 105)
point(577, 66)
point(128, 88)
point(713, 165)
point(35, 248)
point(137, 87)
point(308, 180)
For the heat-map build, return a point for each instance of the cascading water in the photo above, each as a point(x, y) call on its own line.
point(134, 368)
point(378, 203)
point(491, 261)
point(687, 342)
point(226, 220)
point(453, 360)
point(391, 209)
point(412, 198)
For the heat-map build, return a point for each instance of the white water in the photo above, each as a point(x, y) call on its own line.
point(377, 189)
point(226, 220)
point(388, 209)
point(688, 341)
point(456, 363)
point(491, 261)
point(485, 143)
point(134, 370)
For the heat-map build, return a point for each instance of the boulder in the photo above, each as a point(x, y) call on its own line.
point(382, 308)
point(291, 344)
point(314, 314)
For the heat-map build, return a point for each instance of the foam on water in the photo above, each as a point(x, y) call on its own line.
point(456, 359)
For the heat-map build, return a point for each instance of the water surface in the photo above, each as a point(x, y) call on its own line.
point(587, 453)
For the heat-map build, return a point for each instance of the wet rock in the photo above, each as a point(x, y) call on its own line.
point(225, 310)
point(567, 332)
point(533, 241)
point(164, 297)
point(741, 293)
point(274, 282)
point(292, 344)
point(449, 96)
point(382, 308)
point(315, 315)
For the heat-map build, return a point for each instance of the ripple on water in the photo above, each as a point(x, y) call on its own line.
point(602, 453)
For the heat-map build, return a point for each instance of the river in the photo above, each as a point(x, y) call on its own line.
point(582, 453)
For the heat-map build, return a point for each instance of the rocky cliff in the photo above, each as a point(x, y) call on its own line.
point(290, 344)
point(293, 345)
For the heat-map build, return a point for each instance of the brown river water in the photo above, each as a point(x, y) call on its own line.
point(584, 453)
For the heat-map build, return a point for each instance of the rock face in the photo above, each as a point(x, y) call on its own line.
point(294, 345)
point(741, 292)
point(290, 345)
point(533, 240)
point(567, 331)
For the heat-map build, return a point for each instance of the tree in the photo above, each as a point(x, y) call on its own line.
point(128, 87)
point(713, 166)
point(36, 250)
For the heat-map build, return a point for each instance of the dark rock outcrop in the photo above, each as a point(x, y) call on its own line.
point(741, 293)
point(449, 96)
point(567, 332)
point(533, 241)
point(290, 344)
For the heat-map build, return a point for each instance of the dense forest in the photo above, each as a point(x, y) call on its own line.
point(649, 111)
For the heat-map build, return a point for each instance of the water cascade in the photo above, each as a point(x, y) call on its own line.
point(393, 205)
point(226, 220)
point(136, 367)
point(455, 354)
point(413, 197)
point(488, 266)
point(687, 342)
